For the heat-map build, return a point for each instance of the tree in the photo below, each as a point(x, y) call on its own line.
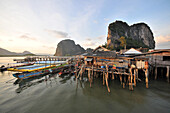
point(122, 41)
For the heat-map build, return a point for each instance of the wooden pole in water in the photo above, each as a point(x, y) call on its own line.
point(103, 77)
point(134, 77)
point(137, 74)
point(131, 78)
point(146, 75)
point(106, 78)
point(155, 72)
point(89, 76)
point(124, 81)
point(92, 73)
point(120, 76)
point(113, 77)
point(167, 73)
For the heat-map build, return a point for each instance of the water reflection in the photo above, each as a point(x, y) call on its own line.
point(47, 79)
point(65, 78)
point(26, 83)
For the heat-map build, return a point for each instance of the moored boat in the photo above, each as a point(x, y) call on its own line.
point(3, 68)
point(26, 75)
point(31, 69)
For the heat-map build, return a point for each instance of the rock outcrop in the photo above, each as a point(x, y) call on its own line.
point(68, 47)
point(137, 35)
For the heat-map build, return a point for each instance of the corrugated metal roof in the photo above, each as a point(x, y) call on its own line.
point(132, 51)
point(89, 59)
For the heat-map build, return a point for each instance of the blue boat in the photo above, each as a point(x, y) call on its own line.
point(26, 75)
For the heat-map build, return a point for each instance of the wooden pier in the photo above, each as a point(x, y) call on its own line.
point(108, 65)
point(45, 58)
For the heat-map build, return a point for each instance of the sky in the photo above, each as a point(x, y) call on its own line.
point(39, 25)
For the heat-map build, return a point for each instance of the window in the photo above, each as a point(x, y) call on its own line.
point(166, 58)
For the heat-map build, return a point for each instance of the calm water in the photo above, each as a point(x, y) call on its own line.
point(52, 94)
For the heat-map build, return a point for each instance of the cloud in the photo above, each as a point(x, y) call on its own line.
point(162, 39)
point(93, 42)
point(101, 37)
point(89, 43)
point(106, 19)
point(163, 45)
point(88, 39)
point(163, 42)
point(58, 34)
point(48, 47)
point(27, 37)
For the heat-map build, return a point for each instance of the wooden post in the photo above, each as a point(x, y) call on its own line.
point(120, 76)
point(76, 71)
point(131, 78)
point(106, 78)
point(146, 75)
point(95, 75)
point(137, 74)
point(92, 70)
point(123, 85)
point(124, 81)
point(155, 72)
point(167, 73)
point(113, 77)
point(89, 76)
point(134, 77)
point(103, 77)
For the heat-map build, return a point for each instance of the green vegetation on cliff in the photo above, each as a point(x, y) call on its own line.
point(123, 42)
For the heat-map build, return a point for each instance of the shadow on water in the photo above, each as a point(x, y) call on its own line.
point(65, 78)
point(27, 83)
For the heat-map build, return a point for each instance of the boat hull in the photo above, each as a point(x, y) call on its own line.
point(28, 75)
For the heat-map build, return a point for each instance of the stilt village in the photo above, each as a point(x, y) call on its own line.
point(127, 66)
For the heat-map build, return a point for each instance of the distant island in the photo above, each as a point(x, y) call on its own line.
point(4, 52)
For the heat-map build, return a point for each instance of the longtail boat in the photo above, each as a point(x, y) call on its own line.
point(26, 75)
point(31, 69)
point(3, 68)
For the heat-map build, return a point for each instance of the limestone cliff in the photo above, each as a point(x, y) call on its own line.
point(137, 35)
point(68, 47)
